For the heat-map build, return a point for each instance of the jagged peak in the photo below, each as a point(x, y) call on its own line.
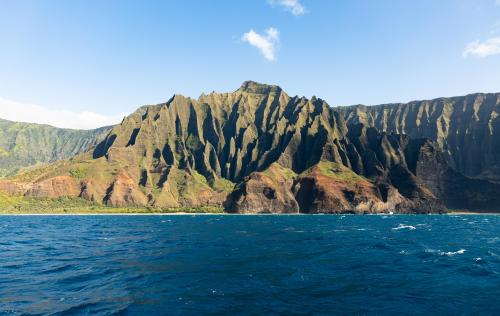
point(259, 88)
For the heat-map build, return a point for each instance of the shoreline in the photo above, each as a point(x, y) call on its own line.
point(227, 214)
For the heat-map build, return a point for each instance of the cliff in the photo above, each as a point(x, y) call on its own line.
point(255, 150)
point(466, 129)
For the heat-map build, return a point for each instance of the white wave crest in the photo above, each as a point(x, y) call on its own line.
point(452, 253)
point(403, 226)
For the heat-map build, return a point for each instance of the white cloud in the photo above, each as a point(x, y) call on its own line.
point(32, 113)
point(266, 43)
point(293, 6)
point(498, 2)
point(483, 49)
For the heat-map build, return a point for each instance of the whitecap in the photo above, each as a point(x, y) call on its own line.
point(402, 226)
point(452, 253)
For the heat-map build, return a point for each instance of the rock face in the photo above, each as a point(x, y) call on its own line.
point(256, 150)
point(54, 187)
point(466, 129)
point(227, 135)
point(264, 192)
point(331, 188)
point(454, 189)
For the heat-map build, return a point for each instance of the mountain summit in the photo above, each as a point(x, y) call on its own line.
point(259, 150)
point(259, 88)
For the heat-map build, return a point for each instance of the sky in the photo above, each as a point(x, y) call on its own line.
point(88, 63)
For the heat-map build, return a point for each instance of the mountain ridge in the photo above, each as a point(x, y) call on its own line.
point(219, 149)
point(25, 144)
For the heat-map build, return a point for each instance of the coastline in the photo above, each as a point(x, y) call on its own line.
point(182, 213)
point(472, 213)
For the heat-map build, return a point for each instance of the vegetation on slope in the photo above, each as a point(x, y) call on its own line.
point(25, 144)
point(18, 204)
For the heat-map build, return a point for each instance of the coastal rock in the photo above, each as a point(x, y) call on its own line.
point(264, 192)
point(332, 188)
point(54, 187)
point(454, 189)
point(125, 192)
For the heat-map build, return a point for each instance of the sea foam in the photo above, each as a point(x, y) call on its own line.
point(403, 226)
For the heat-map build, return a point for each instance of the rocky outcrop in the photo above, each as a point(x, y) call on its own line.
point(454, 189)
point(125, 192)
point(53, 187)
point(331, 188)
point(264, 192)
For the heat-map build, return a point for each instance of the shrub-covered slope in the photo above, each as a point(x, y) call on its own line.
point(25, 144)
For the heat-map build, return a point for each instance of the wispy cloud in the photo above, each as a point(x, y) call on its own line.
point(266, 43)
point(32, 113)
point(483, 49)
point(293, 6)
point(498, 2)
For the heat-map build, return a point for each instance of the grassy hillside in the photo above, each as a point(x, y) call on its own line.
point(73, 205)
point(26, 144)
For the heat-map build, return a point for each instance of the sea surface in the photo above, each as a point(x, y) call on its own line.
point(249, 265)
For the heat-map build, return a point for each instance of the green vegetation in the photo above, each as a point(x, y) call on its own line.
point(188, 184)
point(338, 172)
point(193, 143)
point(80, 167)
point(278, 171)
point(77, 173)
point(72, 205)
point(222, 185)
point(24, 144)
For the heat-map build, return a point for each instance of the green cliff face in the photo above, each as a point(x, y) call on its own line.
point(228, 135)
point(259, 150)
point(467, 129)
point(24, 144)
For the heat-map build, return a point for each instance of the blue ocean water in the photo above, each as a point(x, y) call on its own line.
point(249, 265)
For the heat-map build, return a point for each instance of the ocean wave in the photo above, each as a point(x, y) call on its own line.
point(493, 240)
point(403, 226)
point(452, 253)
point(445, 253)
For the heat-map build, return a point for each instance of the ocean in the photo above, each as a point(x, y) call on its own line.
point(250, 265)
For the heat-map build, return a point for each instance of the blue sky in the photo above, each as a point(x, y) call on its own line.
point(87, 63)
